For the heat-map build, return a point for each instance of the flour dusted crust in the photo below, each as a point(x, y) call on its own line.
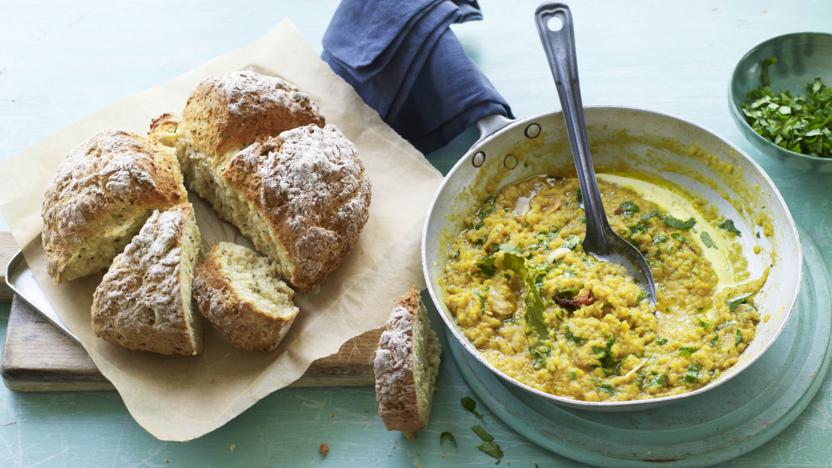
point(406, 364)
point(311, 189)
point(144, 300)
point(231, 110)
point(243, 321)
point(102, 193)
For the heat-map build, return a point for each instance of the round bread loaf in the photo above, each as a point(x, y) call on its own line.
point(310, 198)
point(144, 300)
point(231, 110)
point(103, 192)
point(240, 293)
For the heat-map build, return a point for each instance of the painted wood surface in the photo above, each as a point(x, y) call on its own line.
point(37, 357)
point(62, 60)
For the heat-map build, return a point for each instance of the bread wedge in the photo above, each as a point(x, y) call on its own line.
point(406, 364)
point(241, 294)
point(256, 148)
point(144, 300)
point(101, 196)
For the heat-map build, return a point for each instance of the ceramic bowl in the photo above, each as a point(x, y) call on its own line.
point(801, 57)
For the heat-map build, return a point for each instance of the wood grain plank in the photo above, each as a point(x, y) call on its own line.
point(8, 248)
point(37, 357)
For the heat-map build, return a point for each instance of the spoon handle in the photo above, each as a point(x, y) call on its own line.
point(559, 44)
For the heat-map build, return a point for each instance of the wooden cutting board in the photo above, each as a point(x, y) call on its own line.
point(38, 357)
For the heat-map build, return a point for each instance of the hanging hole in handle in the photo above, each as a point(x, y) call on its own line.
point(532, 131)
point(554, 24)
point(478, 159)
point(510, 161)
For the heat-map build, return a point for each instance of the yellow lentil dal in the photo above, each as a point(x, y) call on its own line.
point(544, 312)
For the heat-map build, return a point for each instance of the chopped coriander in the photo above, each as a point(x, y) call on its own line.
point(572, 337)
point(470, 405)
point(737, 300)
point(654, 213)
point(687, 351)
point(707, 240)
point(737, 336)
point(679, 237)
point(659, 238)
point(692, 374)
point(728, 225)
point(627, 208)
point(486, 266)
point(640, 227)
point(677, 223)
point(605, 387)
point(482, 433)
point(492, 450)
point(704, 324)
point(661, 341)
point(449, 437)
point(801, 123)
point(571, 242)
point(572, 375)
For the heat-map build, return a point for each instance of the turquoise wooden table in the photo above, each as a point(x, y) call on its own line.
point(62, 60)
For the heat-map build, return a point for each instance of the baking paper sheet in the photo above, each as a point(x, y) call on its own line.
point(180, 398)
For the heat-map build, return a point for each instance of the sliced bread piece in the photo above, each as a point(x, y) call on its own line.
point(406, 364)
point(101, 196)
point(241, 294)
point(144, 300)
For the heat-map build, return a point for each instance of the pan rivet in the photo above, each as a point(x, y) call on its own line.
point(479, 159)
point(510, 161)
point(533, 130)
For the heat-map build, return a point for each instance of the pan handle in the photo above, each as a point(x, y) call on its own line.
point(490, 125)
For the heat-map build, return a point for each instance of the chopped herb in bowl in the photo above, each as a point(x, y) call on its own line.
point(801, 123)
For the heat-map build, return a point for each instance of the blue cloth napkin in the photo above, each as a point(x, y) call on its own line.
point(405, 62)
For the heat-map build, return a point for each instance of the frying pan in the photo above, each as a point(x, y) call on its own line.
point(638, 141)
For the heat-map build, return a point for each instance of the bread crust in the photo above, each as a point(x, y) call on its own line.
point(311, 187)
point(241, 323)
point(141, 303)
point(231, 110)
point(113, 172)
point(393, 365)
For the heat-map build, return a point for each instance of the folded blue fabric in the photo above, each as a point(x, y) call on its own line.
point(405, 62)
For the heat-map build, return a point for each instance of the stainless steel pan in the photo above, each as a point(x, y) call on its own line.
point(646, 142)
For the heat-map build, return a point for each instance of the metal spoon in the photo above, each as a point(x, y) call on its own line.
point(554, 23)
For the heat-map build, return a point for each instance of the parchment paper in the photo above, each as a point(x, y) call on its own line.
point(180, 398)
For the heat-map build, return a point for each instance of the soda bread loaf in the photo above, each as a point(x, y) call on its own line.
point(101, 196)
point(406, 364)
point(144, 301)
point(240, 293)
point(257, 149)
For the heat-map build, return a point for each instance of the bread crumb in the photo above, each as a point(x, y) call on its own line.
point(324, 449)
point(232, 447)
point(409, 435)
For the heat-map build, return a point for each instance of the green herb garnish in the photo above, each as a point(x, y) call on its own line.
point(659, 238)
point(679, 237)
point(449, 437)
point(737, 337)
point(728, 225)
point(734, 302)
point(470, 405)
point(677, 223)
point(571, 242)
point(492, 450)
point(661, 341)
point(572, 337)
point(707, 240)
point(801, 123)
point(627, 208)
point(482, 433)
point(687, 351)
point(692, 374)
